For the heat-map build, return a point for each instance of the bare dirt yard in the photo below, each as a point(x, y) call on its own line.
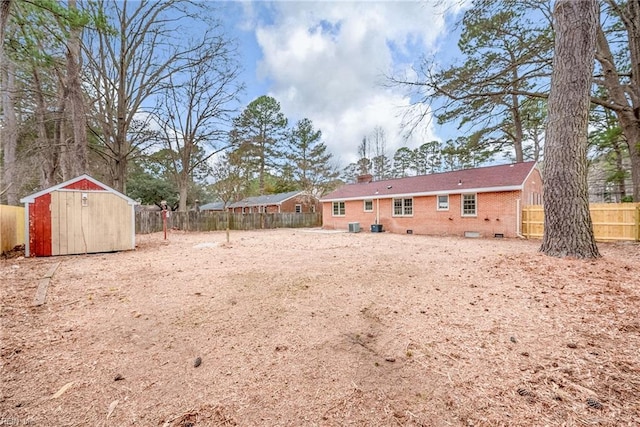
point(311, 328)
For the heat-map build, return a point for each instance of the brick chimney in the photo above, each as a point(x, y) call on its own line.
point(363, 179)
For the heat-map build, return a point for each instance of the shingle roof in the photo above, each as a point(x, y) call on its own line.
point(486, 179)
point(215, 206)
point(30, 198)
point(266, 200)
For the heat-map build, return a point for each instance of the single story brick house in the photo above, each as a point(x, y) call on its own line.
point(485, 201)
point(293, 202)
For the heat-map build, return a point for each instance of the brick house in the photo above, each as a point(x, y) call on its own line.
point(293, 202)
point(484, 202)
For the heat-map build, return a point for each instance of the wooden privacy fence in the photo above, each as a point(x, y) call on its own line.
point(611, 221)
point(151, 221)
point(11, 227)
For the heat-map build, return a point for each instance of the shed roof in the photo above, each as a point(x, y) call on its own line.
point(64, 185)
point(479, 180)
point(214, 206)
point(266, 200)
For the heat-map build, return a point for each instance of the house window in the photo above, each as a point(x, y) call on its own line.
point(402, 207)
point(338, 208)
point(443, 202)
point(298, 208)
point(368, 205)
point(469, 205)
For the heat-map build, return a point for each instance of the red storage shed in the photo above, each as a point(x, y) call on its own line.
point(78, 216)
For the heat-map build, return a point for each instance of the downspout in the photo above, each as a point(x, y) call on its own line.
point(519, 220)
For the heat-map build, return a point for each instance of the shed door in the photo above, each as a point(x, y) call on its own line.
point(101, 222)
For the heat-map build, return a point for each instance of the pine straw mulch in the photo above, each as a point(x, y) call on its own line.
point(296, 327)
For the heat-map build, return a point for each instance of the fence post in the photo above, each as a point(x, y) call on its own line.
point(638, 223)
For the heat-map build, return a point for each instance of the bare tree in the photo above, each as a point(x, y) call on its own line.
point(364, 157)
point(196, 109)
point(9, 132)
point(568, 229)
point(48, 99)
point(228, 183)
point(129, 65)
point(9, 127)
point(380, 162)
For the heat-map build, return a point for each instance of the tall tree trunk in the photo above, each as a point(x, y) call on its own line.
point(5, 8)
point(515, 113)
point(630, 124)
point(184, 179)
point(60, 138)
point(519, 133)
point(48, 148)
point(568, 230)
point(78, 150)
point(9, 132)
point(119, 170)
point(120, 145)
point(183, 191)
point(621, 188)
point(536, 146)
point(631, 20)
point(624, 98)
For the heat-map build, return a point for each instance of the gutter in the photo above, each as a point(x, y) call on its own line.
point(426, 193)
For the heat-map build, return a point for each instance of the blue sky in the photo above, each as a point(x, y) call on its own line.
point(326, 61)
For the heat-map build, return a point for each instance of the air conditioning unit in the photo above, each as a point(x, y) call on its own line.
point(354, 227)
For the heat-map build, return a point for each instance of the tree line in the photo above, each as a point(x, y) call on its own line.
point(429, 157)
point(497, 89)
point(103, 87)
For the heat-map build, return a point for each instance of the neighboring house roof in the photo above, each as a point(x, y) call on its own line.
point(266, 200)
point(215, 206)
point(149, 208)
point(480, 180)
point(64, 186)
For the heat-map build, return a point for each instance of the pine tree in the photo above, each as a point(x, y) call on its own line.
point(258, 136)
point(568, 230)
point(311, 161)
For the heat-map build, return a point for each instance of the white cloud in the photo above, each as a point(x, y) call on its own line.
point(327, 60)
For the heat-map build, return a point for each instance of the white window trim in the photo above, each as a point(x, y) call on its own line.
point(298, 208)
point(333, 211)
point(364, 205)
point(475, 197)
point(393, 207)
point(438, 202)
